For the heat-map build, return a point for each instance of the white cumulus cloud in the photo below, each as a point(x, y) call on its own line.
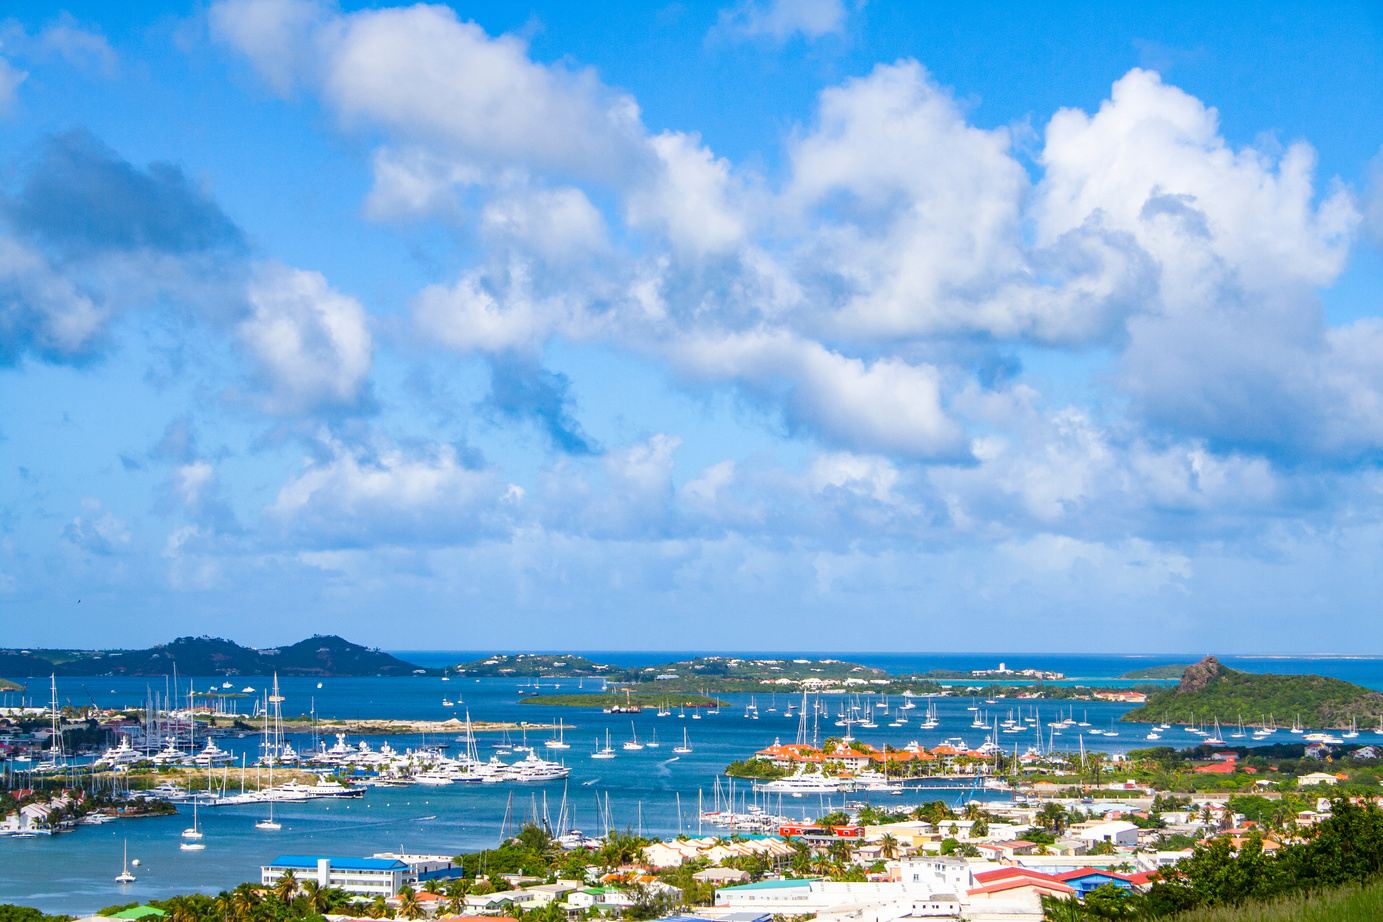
point(311, 343)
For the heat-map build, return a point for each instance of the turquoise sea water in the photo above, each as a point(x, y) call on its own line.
point(74, 872)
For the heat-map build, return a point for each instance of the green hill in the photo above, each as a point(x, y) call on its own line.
point(1209, 690)
point(1170, 671)
point(321, 655)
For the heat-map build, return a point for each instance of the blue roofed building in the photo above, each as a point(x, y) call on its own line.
point(361, 876)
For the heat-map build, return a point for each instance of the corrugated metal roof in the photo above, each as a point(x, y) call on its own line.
point(309, 862)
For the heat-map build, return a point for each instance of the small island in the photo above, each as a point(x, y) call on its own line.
point(1210, 691)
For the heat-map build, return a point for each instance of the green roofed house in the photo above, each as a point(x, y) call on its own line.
point(137, 912)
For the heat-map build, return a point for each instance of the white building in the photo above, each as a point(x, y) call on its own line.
point(1117, 832)
point(361, 876)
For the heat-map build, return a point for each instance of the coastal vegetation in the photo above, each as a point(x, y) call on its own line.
point(1171, 671)
point(641, 700)
point(11, 913)
point(319, 655)
point(758, 769)
point(1210, 691)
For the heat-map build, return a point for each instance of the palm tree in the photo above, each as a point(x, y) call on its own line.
point(244, 900)
point(1052, 817)
point(318, 897)
point(225, 907)
point(409, 907)
point(180, 910)
point(286, 886)
point(888, 846)
point(379, 909)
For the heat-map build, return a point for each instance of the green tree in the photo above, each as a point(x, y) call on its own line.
point(1052, 817)
point(888, 846)
point(409, 907)
point(285, 886)
point(1110, 901)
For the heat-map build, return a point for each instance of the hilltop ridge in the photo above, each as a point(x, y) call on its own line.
point(319, 655)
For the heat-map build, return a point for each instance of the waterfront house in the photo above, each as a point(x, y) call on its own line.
point(360, 876)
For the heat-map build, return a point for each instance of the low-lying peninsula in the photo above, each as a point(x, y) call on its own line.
point(631, 700)
point(1210, 691)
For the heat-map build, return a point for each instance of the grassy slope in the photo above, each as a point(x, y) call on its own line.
point(1347, 904)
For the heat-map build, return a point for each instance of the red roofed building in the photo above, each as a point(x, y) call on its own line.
point(1017, 883)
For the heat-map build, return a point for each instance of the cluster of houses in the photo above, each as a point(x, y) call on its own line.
point(42, 816)
point(858, 756)
point(915, 871)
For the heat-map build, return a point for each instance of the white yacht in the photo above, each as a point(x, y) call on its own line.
point(212, 754)
point(800, 782)
point(124, 755)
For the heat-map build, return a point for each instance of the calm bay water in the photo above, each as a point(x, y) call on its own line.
point(74, 872)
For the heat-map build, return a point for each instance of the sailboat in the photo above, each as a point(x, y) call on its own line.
point(560, 742)
point(1215, 739)
point(685, 747)
point(1353, 729)
point(652, 742)
point(632, 744)
point(125, 876)
point(193, 835)
point(607, 752)
point(270, 823)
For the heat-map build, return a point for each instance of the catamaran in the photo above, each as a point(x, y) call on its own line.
point(193, 834)
point(125, 876)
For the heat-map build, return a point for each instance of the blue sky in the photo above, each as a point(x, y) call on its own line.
point(743, 325)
